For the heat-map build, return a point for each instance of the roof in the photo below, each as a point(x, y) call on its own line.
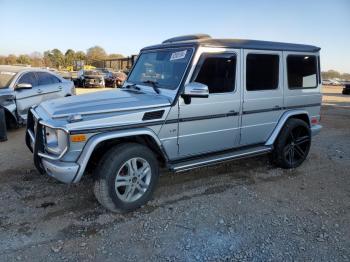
point(206, 40)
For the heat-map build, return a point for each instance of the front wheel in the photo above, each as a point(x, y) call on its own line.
point(126, 177)
point(293, 144)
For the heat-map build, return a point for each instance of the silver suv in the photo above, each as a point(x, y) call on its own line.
point(189, 102)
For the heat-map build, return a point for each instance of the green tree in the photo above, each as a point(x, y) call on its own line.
point(10, 60)
point(36, 59)
point(23, 59)
point(346, 76)
point(69, 57)
point(330, 74)
point(57, 58)
point(96, 53)
point(2, 60)
point(115, 56)
point(80, 55)
point(47, 58)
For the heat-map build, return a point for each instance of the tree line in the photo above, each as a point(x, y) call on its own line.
point(331, 74)
point(57, 59)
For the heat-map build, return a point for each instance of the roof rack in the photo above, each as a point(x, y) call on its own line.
point(186, 38)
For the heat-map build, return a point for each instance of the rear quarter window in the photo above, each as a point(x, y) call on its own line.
point(302, 71)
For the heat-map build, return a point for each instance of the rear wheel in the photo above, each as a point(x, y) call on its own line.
point(293, 144)
point(126, 177)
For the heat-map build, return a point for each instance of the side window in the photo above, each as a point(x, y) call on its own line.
point(262, 72)
point(301, 71)
point(217, 71)
point(46, 78)
point(54, 79)
point(28, 78)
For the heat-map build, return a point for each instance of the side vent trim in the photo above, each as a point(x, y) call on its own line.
point(153, 115)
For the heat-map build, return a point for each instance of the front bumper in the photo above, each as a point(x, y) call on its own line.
point(62, 171)
point(315, 129)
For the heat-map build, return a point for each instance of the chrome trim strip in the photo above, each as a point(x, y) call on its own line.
point(278, 108)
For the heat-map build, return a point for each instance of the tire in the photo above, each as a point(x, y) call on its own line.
point(117, 186)
point(293, 144)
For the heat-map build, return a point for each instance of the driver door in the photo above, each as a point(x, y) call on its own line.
point(212, 124)
point(25, 98)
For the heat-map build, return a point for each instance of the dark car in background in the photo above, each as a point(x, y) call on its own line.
point(346, 89)
point(112, 79)
point(90, 78)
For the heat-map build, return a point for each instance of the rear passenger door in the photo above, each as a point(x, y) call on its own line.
point(212, 124)
point(49, 85)
point(262, 95)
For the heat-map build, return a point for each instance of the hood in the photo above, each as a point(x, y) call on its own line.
point(103, 102)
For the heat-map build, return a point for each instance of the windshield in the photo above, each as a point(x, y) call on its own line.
point(164, 67)
point(6, 78)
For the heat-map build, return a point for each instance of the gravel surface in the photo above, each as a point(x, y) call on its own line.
point(245, 210)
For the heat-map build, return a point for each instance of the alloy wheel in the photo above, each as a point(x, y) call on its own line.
point(133, 179)
point(297, 145)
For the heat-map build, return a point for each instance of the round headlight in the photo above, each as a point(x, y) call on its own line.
point(56, 140)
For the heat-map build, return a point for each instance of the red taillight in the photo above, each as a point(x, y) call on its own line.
point(314, 121)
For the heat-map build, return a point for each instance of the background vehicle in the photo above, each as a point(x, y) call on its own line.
point(189, 102)
point(90, 78)
point(24, 87)
point(346, 89)
point(111, 78)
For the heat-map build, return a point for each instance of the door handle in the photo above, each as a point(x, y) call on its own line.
point(39, 91)
point(277, 107)
point(60, 88)
point(232, 113)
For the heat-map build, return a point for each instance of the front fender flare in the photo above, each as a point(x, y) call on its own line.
point(283, 119)
point(99, 138)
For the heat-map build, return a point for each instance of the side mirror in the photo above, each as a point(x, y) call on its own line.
point(195, 89)
point(23, 86)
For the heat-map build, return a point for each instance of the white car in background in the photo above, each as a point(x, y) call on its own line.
point(22, 87)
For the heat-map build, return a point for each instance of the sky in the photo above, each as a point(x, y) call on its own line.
point(127, 26)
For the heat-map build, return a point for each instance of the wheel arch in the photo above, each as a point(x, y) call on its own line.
point(98, 144)
point(298, 114)
point(10, 116)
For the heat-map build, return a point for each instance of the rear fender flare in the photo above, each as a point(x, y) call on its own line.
point(283, 119)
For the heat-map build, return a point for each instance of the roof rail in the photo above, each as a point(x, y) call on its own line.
point(186, 38)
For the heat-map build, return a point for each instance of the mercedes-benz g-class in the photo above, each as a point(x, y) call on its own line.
point(189, 102)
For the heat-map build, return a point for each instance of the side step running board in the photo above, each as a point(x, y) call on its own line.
point(218, 158)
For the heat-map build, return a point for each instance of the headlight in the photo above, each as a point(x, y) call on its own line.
point(56, 140)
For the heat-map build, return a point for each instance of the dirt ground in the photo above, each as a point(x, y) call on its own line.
point(245, 210)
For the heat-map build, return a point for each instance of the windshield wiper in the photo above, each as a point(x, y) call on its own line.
point(154, 84)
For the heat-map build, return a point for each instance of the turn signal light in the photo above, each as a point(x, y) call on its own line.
point(78, 138)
